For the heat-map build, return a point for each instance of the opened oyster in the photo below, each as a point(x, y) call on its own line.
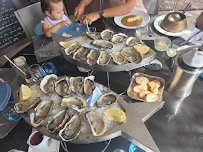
point(92, 35)
point(131, 41)
point(77, 84)
point(22, 107)
point(47, 83)
point(103, 44)
point(120, 37)
point(97, 123)
point(41, 112)
point(107, 99)
point(62, 87)
point(118, 58)
point(132, 54)
point(80, 53)
point(92, 57)
point(59, 120)
point(104, 58)
point(107, 34)
point(72, 128)
point(89, 85)
point(72, 48)
point(74, 103)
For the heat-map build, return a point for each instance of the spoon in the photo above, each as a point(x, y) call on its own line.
point(176, 16)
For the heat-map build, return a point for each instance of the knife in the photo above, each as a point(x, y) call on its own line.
point(189, 38)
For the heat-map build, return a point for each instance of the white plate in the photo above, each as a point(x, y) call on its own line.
point(188, 30)
point(145, 19)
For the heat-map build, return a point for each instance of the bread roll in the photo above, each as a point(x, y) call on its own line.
point(154, 83)
point(141, 80)
point(143, 94)
point(140, 88)
point(151, 97)
point(155, 90)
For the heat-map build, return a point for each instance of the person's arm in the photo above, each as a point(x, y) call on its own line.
point(199, 21)
point(79, 10)
point(119, 10)
point(1, 80)
point(47, 31)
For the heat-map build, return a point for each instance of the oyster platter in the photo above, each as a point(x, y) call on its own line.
point(58, 108)
point(105, 51)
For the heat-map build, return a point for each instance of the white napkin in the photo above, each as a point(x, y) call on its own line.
point(197, 39)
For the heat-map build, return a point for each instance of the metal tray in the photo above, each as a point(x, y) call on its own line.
point(133, 95)
point(133, 129)
point(112, 67)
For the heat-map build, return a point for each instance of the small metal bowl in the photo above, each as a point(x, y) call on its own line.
point(134, 95)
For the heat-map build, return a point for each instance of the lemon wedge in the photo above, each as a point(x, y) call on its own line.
point(115, 114)
point(25, 92)
point(66, 44)
point(143, 49)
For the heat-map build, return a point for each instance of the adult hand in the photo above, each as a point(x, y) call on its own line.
point(89, 18)
point(1, 80)
point(79, 10)
point(66, 22)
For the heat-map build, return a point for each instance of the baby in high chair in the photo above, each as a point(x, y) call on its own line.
point(55, 18)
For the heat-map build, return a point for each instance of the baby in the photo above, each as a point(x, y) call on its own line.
point(55, 18)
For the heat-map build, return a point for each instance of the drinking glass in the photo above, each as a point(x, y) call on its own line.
point(162, 43)
point(48, 68)
point(141, 31)
point(171, 51)
point(36, 72)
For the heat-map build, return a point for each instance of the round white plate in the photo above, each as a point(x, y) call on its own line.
point(188, 30)
point(145, 19)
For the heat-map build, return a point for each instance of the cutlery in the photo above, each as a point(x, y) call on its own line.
point(189, 39)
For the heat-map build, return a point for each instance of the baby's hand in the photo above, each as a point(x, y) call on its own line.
point(66, 23)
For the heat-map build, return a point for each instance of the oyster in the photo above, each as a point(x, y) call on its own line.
point(97, 123)
point(72, 48)
point(118, 57)
point(132, 54)
point(103, 44)
point(72, 128)
point(80, 53)
point(59, 120)
point(62, 87)
point(92, 57)
point(89, 85)
point(77, 84)
point(107, 34)
point(22, 107)
point(92, 35)
point(107, 99)
point(131, 41)
point(74, 103)
point(104, 58)
point(120, 37)
point(47, 83)
point(41, 112)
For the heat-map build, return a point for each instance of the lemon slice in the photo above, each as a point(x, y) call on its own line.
point(115, 114)
point(25, 92)
point(66, 44)
point(143, 49)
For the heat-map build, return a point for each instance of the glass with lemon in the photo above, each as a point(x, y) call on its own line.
point(162, 43)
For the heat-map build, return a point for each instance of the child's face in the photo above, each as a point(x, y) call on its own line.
point(57, 11)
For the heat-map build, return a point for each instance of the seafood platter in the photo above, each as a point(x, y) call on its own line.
point(146, 88)
point(58, 108)
point(105, 51)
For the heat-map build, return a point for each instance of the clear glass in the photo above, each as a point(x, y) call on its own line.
point(171, 51)
point(36, 72)
point(141, 31)
point(162, 43)
point(10, 113)
point(48, 68)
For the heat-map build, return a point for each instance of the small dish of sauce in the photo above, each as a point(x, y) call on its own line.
point(131, 20)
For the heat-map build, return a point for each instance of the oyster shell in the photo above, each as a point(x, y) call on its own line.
point(107, 99)
point(92, 57)
point(74, 103)
point(97, 123)
point(120, 37)
point(72, 48)
point(132, 54)
point(72, 128)
point(107, 34)
point(22, 107)
point(89, 85)
point(80, 53)
point(92, 35)
point(59, 120)
point(103, 44)
point(62, 87)
point(77, 84)
point(118, 57)
point(47, 84)
point(104, 58)
point(41, 112)
point(131, 41)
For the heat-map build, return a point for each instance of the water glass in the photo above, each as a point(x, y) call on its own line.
point(171, 52)
point(141, 31)
point(162, 43)
point(36, 72)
